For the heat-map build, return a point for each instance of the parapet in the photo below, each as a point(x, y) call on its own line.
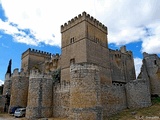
point(17, 73)
point(80, 66)
point(34, 51)
point(7, 76)
point(37, 74)
point(81, 70)
point(83, 17)
point(145, 55)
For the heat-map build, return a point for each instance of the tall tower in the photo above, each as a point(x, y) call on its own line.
point(33, 58)
point(84, 39)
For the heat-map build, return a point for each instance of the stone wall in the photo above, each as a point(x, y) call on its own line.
point(113, 99)
point(19, 91)
point(152, 65)
point(85, 96)
point(122, 65)
point(61, 99)
point(7, 84)
point(138, 94)
point(2, 103)
point(84, 39)
point(39, 96)
point(1, 89)
point(31, 58)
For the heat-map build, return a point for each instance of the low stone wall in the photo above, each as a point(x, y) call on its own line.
point(113, 99)
point(138, 94)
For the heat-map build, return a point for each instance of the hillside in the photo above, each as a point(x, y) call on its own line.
point(149, 113)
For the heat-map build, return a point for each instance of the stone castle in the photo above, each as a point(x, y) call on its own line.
point(88, 81)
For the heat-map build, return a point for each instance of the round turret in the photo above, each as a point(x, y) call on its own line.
point(39, 96)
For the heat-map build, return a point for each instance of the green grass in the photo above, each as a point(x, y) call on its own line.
point(152, 112)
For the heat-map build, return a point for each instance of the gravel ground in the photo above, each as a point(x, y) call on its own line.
point(10, 117)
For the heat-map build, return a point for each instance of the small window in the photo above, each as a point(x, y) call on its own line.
point(72, 61)
point(72, 40)
point(155, 62)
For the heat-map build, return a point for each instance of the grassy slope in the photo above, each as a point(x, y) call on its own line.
point(149, 113)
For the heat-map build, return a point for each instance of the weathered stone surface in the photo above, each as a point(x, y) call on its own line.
point(151, 63)
point(19, 91)
point(95, 80)
point(85, 96)
point(113, 99)
point(138, 94)
point(39, 96)
point(61, 99)
point(7, 84)
point(2, 101)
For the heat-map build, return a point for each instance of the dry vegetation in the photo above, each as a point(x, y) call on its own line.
point(149, 113)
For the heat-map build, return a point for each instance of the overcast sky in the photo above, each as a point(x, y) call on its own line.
point(36, 23)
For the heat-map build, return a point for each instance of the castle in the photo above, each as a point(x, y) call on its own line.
point(88, 81)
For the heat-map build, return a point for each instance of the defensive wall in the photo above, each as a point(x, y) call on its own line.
point(8, 84)
point(19, 89)
point(39, 102)
point(61, 99)
point(31, 58)
point(152, 65)
point(2, 105)
point(113, 98)
point(138, 94)
point(85, 92)
point(93, 81)
point(122, 65)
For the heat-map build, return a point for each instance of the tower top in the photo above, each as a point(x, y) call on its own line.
point(83, 17)
point(34, 51)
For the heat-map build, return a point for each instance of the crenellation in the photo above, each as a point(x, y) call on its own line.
point(7, 76)
point(87, 81)
point(34, 51)
point(37, 74)
point(82, 17)
point(16, 72)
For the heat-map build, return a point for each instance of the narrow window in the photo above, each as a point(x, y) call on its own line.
point(72, 61)
point(72, 40)
point(155, 62)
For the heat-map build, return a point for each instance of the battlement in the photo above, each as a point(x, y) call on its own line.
point(7, 76)
point(80, 66)
point(62, 87)
point(55, 56)
point(34, 51)
point(145, 55)
point(121, 51)
point(37, 74)
point(17, 73)
point(84, 17)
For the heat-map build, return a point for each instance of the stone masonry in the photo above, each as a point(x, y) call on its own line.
point(19, 91)
point(88, 81)
point(39, 103)
point(85, 93)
